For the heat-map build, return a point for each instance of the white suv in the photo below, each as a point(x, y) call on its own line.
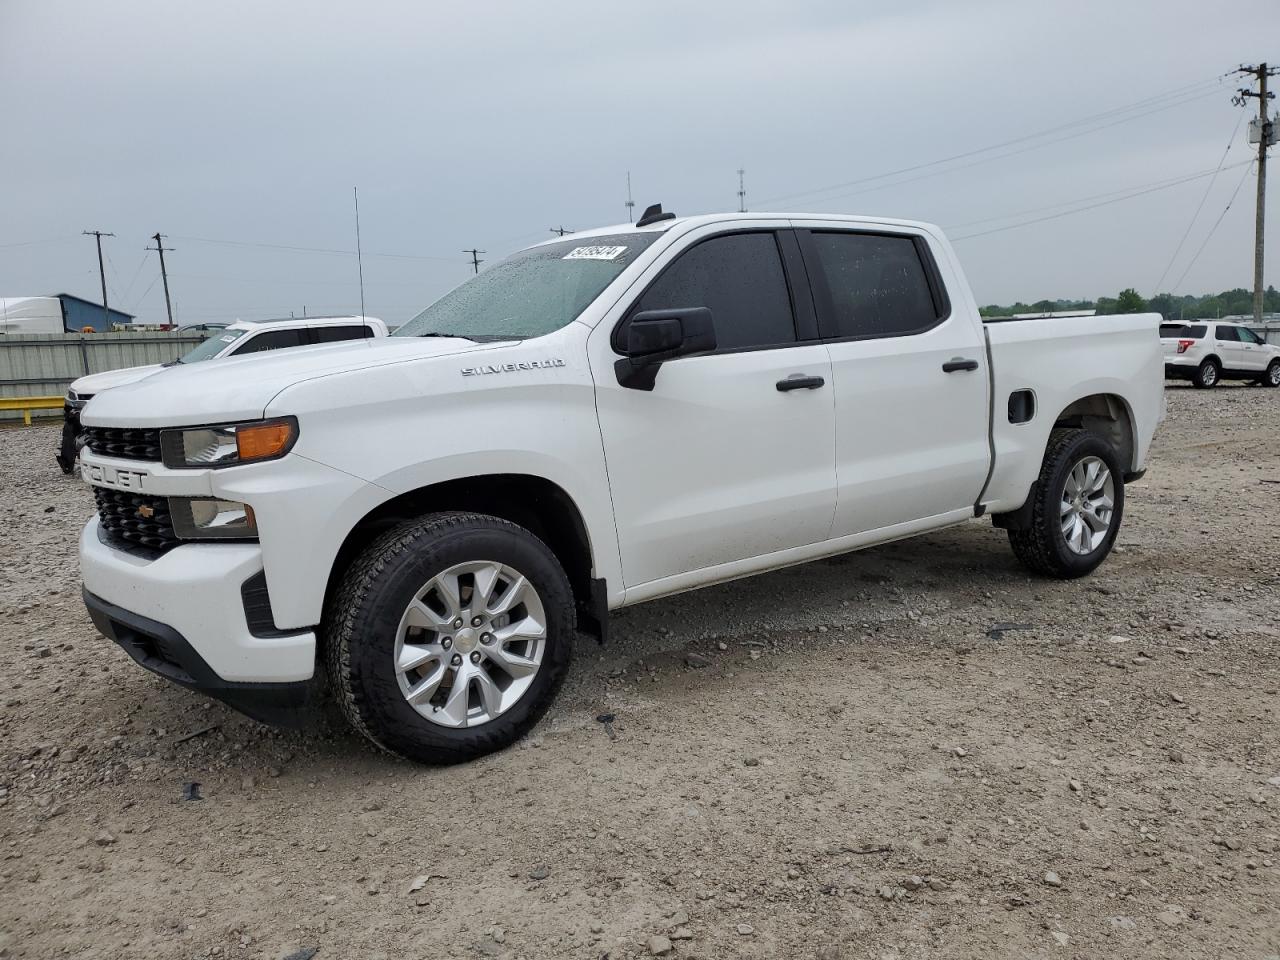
point(1211, 350)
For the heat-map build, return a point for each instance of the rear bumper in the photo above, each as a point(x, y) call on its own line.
point(1180, 371)
point(164, 651)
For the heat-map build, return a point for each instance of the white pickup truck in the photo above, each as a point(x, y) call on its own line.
point(427, 520)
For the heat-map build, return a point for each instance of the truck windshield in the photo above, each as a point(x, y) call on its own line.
point(531, 293)
point(212, 347)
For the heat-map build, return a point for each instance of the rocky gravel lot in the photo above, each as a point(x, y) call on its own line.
point(914, 751)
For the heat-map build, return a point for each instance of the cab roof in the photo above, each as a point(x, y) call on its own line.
point(705, 219)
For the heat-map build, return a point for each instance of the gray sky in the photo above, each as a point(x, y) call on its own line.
point(485, 124)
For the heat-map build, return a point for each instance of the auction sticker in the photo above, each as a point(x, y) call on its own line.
point(594, 253)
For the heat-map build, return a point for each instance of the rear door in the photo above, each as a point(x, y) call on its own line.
point(336, 334)
point(910, 376)
point(721, 461)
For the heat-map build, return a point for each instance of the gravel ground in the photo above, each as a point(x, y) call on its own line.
point(858, 762)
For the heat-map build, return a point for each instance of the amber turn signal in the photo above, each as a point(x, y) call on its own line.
point(263, 440)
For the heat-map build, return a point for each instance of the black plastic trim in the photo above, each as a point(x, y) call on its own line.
point(164, 651)
point(1134, 475)
point(1019, 519)
point(258, 615)
point(593, 610)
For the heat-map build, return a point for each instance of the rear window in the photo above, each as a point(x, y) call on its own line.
point(1183, 331)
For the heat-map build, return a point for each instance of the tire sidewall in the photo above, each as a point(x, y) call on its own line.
point(1084, 445)
point(392, 721)
point(1271, 376)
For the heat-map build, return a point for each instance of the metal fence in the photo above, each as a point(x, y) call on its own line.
point(44, 364)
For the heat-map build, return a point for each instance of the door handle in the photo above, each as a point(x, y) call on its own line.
point(798, 381)
point(959, 363)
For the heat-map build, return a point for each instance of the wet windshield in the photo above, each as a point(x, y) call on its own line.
point(532, 292)
point(213, 346)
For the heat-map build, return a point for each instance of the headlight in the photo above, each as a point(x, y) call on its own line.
point(212, 519)
point(228, 444)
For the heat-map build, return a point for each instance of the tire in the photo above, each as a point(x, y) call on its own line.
point(1043, 547)
point(365, 631)
point(1271, 377)
point(1208, 374)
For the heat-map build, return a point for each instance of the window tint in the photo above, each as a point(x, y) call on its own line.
point(739, 277)
point(271, 340)
point(1228, 334)
point(1196, 332)
point(878, 285)
point(334, 334)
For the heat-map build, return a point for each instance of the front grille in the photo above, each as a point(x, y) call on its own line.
point(128, 444)
point(123, 517)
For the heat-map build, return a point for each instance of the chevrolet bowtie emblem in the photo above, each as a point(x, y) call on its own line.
point(146, 512)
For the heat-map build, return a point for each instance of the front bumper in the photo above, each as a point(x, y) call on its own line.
point(198, 591)
point(166, 652)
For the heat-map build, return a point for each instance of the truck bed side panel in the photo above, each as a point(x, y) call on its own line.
point(1062, 360)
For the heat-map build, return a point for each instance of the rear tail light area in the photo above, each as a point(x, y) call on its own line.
point(1183, 345)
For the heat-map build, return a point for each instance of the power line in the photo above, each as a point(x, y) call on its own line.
point(1148, 106)
point(1094, 206)
point(1209, 235)
point(329, 250)
point(1200, 206)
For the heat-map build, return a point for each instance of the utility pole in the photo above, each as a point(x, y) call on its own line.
point(102, 273)
point(475, 258)
point(630, 204)
point(161, 249)
point(559, 231)
point(1266, 137)
point(742, 191)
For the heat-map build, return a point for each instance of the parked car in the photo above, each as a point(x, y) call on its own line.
point(594, 422)
point(236, 340)
point(1207, 351)
point(202, 328)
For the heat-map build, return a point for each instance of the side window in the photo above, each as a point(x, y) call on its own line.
point(1196, 332)
point(271, 340)
point(878, 285)
point(334, 334)
point(1227, 334)
point(1248, 336)
point(739, 277)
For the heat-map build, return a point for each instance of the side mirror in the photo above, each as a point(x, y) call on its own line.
point(652, 337)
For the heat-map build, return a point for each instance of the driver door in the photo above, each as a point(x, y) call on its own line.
point(722, 460)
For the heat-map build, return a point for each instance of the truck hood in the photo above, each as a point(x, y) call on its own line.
point(239, 388)
point(95, 383)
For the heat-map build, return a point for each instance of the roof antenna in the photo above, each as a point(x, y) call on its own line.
point(653, 214)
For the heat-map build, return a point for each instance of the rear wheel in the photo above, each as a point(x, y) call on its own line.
point(1077, 508)
point(1271, 378)
point(1208, 374)
point(450, 637)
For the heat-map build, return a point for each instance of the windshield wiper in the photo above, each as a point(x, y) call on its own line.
point(447, 336)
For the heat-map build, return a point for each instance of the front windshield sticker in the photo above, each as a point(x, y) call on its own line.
point(227, 338)
point(594, 253)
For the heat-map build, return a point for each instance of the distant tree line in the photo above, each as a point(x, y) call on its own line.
point(1228, 303)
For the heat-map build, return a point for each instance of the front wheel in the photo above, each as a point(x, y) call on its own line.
point(1271, 378)
point(450, 636)
point(1077, 508)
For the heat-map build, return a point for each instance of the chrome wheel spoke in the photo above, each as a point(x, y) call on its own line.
point(490, 695)
point(529, 628)
point(482, 587)
point(511, 596)
point(422, 692)
point(454, 710)
point(424, 618)
point(411, 656)
point(513, 664)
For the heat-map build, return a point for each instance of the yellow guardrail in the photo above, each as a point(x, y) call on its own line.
point(27, 404)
